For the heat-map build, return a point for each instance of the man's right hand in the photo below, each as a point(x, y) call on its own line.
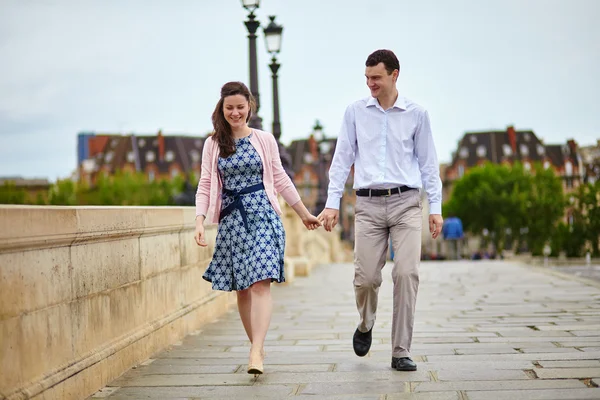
point(329, 218)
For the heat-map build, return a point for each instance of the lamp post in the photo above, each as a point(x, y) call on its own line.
point(252, 25)
point(319, 136)
point(273, 43)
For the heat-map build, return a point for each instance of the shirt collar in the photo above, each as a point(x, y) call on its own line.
point(400, 103)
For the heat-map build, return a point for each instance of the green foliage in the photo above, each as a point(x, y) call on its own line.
point(510, 203)
point(121, 189)
point(10, 194)
point(586, 212)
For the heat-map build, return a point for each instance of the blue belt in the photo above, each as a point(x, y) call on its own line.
point(237, 202)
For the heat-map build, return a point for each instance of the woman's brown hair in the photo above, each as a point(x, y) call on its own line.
point(222, 133)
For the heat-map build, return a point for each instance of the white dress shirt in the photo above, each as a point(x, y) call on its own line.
point(389, 148)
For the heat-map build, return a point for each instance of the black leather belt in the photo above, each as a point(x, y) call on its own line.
point(383, 192)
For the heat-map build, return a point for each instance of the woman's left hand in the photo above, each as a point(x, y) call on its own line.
point(311, 222)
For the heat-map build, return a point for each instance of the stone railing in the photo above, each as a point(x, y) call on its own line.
point(88, 292)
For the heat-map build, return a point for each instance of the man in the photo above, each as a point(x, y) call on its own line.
point(452, 232)
point(388, 139)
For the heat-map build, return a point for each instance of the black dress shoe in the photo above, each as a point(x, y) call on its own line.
point(362, 342)
point(403, 364)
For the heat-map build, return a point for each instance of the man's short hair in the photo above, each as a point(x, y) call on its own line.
point(387, 57)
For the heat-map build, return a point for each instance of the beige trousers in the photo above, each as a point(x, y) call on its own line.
point(398, 216)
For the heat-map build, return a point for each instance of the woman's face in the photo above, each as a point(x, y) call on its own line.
point(235, 110)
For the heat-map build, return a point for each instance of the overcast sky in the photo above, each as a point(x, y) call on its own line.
point(123, 66)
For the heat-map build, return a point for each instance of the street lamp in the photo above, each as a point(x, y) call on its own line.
point(252, 25)
point(273, 41)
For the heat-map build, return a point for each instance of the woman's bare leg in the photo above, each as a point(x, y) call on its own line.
point(244, 302)
point(260, 316)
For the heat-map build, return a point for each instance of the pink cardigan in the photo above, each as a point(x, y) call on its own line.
point(208, 195)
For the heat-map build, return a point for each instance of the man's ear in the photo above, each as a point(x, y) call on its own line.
point(395, 74)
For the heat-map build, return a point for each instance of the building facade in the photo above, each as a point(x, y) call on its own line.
point(156, 156)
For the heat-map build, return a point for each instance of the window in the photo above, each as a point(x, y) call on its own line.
point(481, 151)
point(461, 171)
point(150, 157)
point(169, 156)
point(174, 172)
point(546, 164)
point(141, 142)
point(130, 157)
point(464, 152)
point(473, 139)
point(109, 156)
point(527, 166)
point(524, 150)
point(195, 154)
point(506, 150)
point(151, 176)
point(306, 176)
point(527, 137)
point(568, 168)
point(540, 150)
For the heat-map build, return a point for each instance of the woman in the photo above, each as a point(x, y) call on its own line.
point(241, 176)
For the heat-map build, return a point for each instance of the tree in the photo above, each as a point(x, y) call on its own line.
point(586, 209)
point(545, 206)
point(509, 202)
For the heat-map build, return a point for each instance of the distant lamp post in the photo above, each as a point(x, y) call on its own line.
point(273, 41)
point(273, 33)
point(252, 25)
point(319, 137)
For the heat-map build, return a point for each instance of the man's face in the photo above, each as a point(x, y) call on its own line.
point(378, 80)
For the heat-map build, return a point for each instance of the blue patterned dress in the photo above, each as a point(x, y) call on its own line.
point(246, 254)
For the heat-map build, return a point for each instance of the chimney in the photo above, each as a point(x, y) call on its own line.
point(161, 146)
point(313, 147)
point(512, 138)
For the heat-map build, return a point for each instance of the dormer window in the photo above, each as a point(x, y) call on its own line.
point(481, 151)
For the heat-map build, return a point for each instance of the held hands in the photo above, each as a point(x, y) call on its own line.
point(435, 225)
point(329, 218)
point(311, 222)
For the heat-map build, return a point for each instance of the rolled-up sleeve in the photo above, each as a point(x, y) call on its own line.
point(343, 158)
point(428, 164)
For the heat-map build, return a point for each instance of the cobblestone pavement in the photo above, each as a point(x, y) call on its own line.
point(484, 330)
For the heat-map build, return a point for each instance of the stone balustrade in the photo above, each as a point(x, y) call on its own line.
point(88, 292)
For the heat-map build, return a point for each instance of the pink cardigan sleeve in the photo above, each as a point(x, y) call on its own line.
point(203, 191)
point(281, 181)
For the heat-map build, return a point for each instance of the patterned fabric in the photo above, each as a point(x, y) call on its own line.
point(243, 257)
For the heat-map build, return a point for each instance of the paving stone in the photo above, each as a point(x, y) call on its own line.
point(337, 388)
point(553, 394)
point(204, 392)
point(498, 385)
point(563, 373)
point(570, 364)
point(480, 374)
point(425, 396)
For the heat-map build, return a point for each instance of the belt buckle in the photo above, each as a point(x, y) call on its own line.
point(389, 193)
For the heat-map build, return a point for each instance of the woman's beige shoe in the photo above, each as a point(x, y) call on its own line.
point(256, 367)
